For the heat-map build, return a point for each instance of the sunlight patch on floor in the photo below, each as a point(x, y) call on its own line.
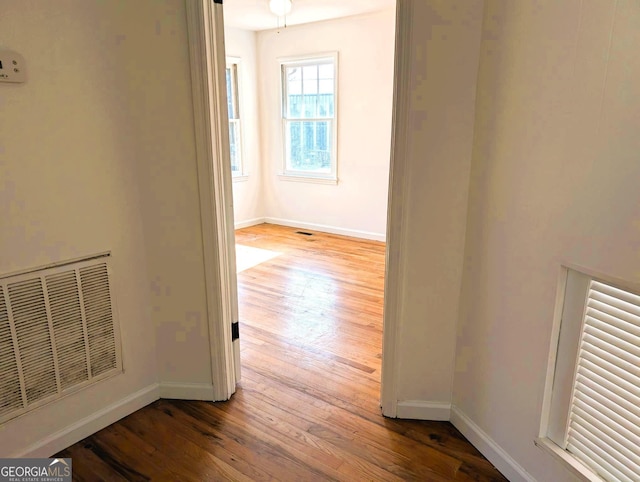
point(248, 257)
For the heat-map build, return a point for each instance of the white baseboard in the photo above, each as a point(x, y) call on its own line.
point(187, 391)
point(248, 222)
point(506, 464)
point(327, 229)
point(89, 425)
point(423, 410)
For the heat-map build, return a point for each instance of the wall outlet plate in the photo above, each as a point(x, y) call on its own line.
point(13, 68)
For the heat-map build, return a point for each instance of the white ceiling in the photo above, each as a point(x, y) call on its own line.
point(255, 14)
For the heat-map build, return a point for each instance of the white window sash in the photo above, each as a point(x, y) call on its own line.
point(287, 169)
point(235, 124)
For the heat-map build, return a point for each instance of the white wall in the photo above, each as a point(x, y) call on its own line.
point(441, 79)
point(96, 154)
point(161, 113)
point(358, 204)
point(247, 190)
point(554, 180)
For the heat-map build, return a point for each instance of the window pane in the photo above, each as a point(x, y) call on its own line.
point(309, 91)
point(293, 101)
point(309, 146)
point(325, 105)
point(310, 76)
point(229, 93)
point(310, 106)
point(325, 71)
point(294, 76)
point(234, 145)
point(326, 87)
point(294, 105)
point(294, 144)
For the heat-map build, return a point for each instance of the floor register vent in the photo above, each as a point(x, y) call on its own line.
point(58, 333)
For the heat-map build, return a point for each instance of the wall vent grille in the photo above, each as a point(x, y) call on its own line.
point(58, 333)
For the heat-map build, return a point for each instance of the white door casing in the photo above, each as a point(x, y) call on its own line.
point(207, 57)
point(399, 176)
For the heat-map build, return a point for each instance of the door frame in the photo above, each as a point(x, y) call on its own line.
point(398, 202)
point(207, 55)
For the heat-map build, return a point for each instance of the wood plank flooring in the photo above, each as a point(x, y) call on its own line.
point(307, 407)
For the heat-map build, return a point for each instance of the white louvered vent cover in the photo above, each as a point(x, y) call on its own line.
point(58, 333)
point(604, 427)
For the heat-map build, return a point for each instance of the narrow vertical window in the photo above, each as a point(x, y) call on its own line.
point(235, 136)
point(309, 96)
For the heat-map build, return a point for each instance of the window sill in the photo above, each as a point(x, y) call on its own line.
point(309, 179)
point(569, 462)
point(240, 178)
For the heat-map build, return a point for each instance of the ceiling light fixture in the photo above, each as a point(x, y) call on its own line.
point(280, 7)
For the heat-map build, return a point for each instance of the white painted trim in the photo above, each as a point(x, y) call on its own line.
point(216, 205)
point(75, 432)
point(308, 59)
point(206, 53)
point(499, 457)
point(55, 264)
point(300, 176)
point(187, 391)
point(333, 181)
point(223, 201)
point(326, 229)
point(621, 283)
point(553, 351)
point(569, 462)
point(399, 176)
point(249, 222)
point(424, 410)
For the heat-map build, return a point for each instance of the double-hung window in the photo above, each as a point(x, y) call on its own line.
point(235, 135)
point(592, 404)
point(309, 105)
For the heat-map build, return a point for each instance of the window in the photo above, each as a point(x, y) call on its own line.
point(593, 397)
point(309, 88)
point(235, 136)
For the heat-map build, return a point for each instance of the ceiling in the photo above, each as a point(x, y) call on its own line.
point(255, 14)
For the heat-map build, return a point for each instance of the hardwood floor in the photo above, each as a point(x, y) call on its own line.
point(307, 406)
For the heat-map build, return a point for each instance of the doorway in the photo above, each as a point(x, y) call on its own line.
point(218, 198)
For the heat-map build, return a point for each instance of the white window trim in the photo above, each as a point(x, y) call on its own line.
point(307, 178)
point(563, 355)
point(303, 176)
point(242, 175)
